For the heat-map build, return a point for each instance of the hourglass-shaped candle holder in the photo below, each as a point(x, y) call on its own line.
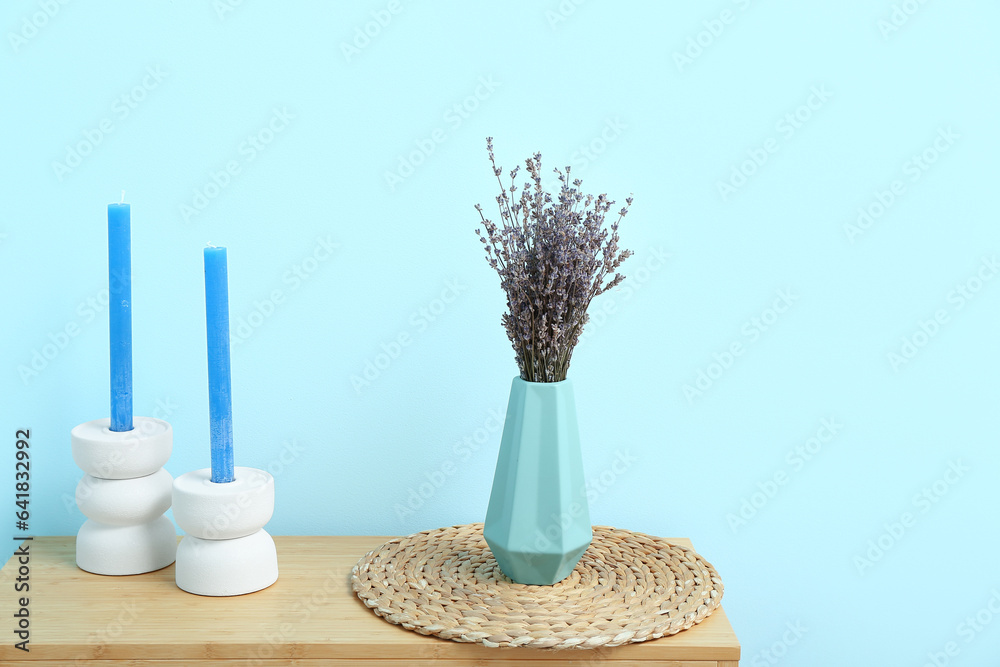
point(223, 509)
point(125, 490)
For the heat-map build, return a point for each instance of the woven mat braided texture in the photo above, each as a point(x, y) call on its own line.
point(628, 587)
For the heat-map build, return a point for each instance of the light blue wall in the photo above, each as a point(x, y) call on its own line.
point(604, 86)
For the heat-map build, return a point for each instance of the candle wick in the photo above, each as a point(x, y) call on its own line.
point(209, 245)
point(123, 196)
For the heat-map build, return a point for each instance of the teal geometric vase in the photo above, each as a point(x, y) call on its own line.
point(538, 523)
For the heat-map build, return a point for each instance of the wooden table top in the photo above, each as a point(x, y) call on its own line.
point(309, 617)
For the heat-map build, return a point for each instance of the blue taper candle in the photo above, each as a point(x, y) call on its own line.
point(120, 313)
point(220, 402)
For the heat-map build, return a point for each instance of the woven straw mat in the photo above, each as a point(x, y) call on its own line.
point(628, 587)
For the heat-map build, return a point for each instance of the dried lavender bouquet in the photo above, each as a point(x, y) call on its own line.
point(553, 258)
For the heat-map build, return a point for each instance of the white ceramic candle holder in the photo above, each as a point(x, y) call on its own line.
point(124, 495)
point(226, 550)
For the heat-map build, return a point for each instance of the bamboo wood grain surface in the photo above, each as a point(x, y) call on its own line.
point(310, 617)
